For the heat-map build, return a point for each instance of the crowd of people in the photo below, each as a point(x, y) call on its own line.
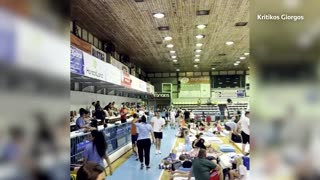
point(144, 134)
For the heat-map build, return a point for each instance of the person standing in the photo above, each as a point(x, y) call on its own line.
point(187, 116)
point(123, 114)
point(144, 141)
point(96, 150)
point(92, 108)
point(97, 105)
point(244, 125)
point(158, 124)
point(134, 135)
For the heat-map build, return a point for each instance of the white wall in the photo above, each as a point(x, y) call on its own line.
point(84, 99)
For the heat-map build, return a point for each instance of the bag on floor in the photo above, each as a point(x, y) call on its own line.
point(236, 138)
point(246, 162)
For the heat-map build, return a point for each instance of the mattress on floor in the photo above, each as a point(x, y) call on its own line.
point(225, 161)
point(216, 140)
point(239, 145)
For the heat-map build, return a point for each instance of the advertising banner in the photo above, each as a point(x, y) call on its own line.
point(76, 61)
point(119, 65)
point(159, 95)
point(94, 68)
point(228, 93)
point(135, 83)
point(195, 87)
point(79, 43)
point(142, 86)
point(126, 79)
point(98, 53)
point(113, 74)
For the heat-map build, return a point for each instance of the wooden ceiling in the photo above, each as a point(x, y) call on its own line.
point(132, 28)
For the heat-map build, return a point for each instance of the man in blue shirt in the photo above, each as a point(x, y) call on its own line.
point(81, 121)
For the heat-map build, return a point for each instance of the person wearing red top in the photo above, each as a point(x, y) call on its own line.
point(123, 114)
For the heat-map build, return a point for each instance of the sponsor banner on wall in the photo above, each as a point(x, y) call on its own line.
point(195, 87)
point(195, 80)
point(81, 44)
point(98, 53)
point(113, 74)
point(126, 79)
point(227, 93)
point(159, 95)
point(94, 67)
point(142, 86)
point(76, 61)
point(119, 65)
point(134, 83)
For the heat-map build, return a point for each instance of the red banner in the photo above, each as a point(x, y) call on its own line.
point(126, 80)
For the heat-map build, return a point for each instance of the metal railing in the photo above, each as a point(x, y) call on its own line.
point(116, 137)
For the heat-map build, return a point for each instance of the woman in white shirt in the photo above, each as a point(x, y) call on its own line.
point(240, 172)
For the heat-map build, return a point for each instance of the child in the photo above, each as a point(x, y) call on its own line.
point(188, 144)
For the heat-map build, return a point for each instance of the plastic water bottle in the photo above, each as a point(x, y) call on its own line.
point(227, 177)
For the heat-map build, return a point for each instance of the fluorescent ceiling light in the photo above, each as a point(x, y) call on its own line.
point(175, 60)
point(199, 44)
point(235, 64)
point(246, 54)
point(229, 43)
point(170, 46)
point(168, 38)
point(198, 50)
point(213, 68)
point(158, 15)
point(199, 36)
point(238, 62)
point(195, 65)
point(172, 52)
point(197, 55)
point(197, 60)
point(173, 57)
point(201, 26)
point(242, 58)
point(178, 69)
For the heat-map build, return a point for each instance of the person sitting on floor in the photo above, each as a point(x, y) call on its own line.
point(240, 172)
point(199, 142)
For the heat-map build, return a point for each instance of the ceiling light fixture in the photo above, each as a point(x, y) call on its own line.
point(158, 15)
point(200, 36)
point(198, 50)
point(235, 64)
point(172, 52)
point(229, 43)
point(242, 58)
point(213, 68)
point(168, 38)
point(238, 62)
point(195, 65)
point(173, 57)
point(175, 60)
point(170, 46)
point(197, 55)
point(197, 60)
point(178, 69)
point(201, 26)
point(246, 54)
point(199, 44)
